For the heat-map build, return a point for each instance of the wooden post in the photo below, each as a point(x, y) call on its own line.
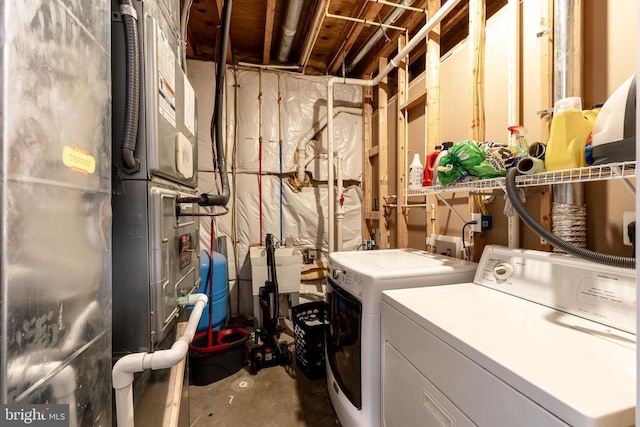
point(383, 184)
point(367, 172)
point(476, 67)
point(477, 21)
point(402, 229)
point(432, 105)
point(546, 102)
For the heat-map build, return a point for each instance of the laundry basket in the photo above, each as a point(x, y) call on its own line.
point(309, 328)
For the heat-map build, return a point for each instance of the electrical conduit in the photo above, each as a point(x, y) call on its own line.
point(132, 90)
point(125, 367)
point(393, 63)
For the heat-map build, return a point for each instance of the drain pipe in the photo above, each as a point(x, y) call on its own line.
point(302, 160)
point(125, 367)
point(568, 210)
point(393, 63)
point(340, 208)
point(291, 20)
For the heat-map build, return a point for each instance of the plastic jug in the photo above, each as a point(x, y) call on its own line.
point(415, 173)
point(427, 177)
point(570, 131)
point(443, 152)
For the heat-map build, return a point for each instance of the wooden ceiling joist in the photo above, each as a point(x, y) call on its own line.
point(354, 32)
point(414, 21)
point(268, 31)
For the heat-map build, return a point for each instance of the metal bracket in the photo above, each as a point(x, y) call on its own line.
point(543, 32)
point(447, 204)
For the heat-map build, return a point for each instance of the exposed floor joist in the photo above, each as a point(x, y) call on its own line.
point(268, 31)
point(414, 21)
point(354, 33)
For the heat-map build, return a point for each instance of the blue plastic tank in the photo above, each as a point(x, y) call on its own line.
point(220, 294)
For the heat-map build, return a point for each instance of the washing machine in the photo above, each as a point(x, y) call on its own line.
point(354, 291)
point(537, 339)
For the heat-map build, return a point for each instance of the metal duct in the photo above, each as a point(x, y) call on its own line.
point(55, 193)
point(390, 19)
point(568, 210)
point(291, 20)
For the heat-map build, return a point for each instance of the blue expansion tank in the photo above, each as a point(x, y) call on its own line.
point(220, 294)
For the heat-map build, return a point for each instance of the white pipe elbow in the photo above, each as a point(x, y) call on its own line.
point(125, 367)
point(300, 170)
point(164, 359)
point(192, 299)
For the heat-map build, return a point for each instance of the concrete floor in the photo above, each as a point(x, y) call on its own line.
point(277, 396)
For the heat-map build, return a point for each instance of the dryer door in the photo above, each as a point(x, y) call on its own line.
point(344, 341)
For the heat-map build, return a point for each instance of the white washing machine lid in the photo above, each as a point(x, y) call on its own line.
point(581, 371)
point(398, 263)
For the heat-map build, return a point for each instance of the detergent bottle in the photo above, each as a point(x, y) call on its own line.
point(570, 131)
point(427, 178)
point(415, 173)
point(444, 150)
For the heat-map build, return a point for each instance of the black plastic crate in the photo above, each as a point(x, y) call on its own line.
point(309, 328)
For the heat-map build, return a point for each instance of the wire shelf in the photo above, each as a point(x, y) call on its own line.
point(586, 174)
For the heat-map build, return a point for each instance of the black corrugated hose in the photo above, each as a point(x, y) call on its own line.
point(597, 257)
point(132, 92)
point(216, 121)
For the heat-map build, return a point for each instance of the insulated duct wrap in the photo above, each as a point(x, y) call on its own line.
point(570, 224)
point(55, 289)
point(304, 213)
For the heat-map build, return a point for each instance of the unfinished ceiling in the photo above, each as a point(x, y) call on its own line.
point(314, 37)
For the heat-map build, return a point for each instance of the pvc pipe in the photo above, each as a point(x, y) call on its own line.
point(269, 67)
point(125, 367)
point(289, 29)
point(318, 127)
point(340, 196)
point(420, 36)
point(281, 203)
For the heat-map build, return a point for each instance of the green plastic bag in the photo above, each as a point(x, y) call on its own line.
point(449, 171)
point(473, 159)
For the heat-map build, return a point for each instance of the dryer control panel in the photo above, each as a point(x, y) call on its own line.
point(597, 292)
point(346, 278)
